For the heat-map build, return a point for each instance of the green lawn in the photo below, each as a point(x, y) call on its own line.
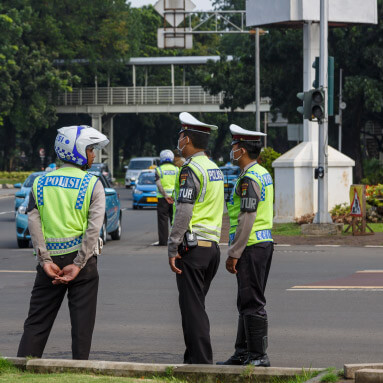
point(294, 229)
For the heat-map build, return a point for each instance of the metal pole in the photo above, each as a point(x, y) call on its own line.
point(322, 215)
point(257, 91)
point(340, 111)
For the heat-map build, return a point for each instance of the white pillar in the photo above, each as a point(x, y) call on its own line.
point(97, 124)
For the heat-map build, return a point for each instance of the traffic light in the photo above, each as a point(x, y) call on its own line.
point(316, 67)
point(305, 109)
point(330, 83)
point(317, 104)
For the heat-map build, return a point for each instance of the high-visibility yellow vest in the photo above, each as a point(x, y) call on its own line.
point(261, 231)
point(63, 198)
point(168, 176)
point(206, 221)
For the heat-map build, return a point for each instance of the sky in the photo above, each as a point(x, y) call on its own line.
point(204, 5)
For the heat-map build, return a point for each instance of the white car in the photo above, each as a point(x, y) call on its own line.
point(136, 165)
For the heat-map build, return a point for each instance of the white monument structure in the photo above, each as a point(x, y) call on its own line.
point(296, 190)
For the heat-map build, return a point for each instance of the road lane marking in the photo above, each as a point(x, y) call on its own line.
point(327, 245)
point(6, 212)
point(370, 271)
point(372, 246)
point(282, 245)
point(17, 271)
point(338, 289)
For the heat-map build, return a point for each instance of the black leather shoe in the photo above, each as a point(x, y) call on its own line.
point(235, 360)
point(262, 361)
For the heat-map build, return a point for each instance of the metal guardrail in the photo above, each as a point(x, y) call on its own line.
point(149, 95)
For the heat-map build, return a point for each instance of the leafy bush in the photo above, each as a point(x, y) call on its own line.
point(266, 158)
point(373, 171)
point(14, 177)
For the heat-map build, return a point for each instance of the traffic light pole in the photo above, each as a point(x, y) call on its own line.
point(257, 87)
point(322, 216)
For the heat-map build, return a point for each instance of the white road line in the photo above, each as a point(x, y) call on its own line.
point(282, 245)
point(327, 245)
point(17, 271)
point(372, 246)
point(339, 289)
point(6, 212)
point(370, 271)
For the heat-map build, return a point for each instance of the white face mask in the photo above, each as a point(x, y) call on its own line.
point(178, 145)
point(233, 160)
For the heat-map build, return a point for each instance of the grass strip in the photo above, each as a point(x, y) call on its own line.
point(293, 229)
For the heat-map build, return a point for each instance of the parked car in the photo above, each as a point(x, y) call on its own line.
point(136, 165)
point(112, 220)
point(25, 189)
point(102, 168)
point(230, 176)
point(145, 192)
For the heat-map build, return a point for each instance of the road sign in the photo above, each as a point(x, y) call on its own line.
point(169, 38)
point(173, 10)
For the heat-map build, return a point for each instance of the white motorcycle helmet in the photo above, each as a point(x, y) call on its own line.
point(72, 141)
point(166, 156)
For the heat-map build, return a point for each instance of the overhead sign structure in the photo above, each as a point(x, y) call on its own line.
point(173, 11)
point(172, 38)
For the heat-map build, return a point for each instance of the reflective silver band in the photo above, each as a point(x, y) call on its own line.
point(203, 191)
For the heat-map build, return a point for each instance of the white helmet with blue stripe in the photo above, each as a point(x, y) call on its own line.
point(166, 156)
point(72, 141)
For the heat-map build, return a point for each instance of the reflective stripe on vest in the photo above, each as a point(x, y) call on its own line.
point(206, 220)
point(261, 230)
point(168, 177)
point(63, 198)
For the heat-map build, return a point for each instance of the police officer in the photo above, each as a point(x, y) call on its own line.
point(251, 246)
point(193, 249)
point(65, 214)
point(166, 175)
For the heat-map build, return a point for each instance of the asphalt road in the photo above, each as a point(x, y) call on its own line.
point(138, 317)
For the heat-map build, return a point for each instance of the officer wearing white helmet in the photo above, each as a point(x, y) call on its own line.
point(65, 214)
point(193, 249)
point(166, 175)
point(251, 246)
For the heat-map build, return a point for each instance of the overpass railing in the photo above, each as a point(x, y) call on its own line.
point(146, 95)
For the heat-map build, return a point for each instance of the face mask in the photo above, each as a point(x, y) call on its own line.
point(178, 145)
point(233, 160)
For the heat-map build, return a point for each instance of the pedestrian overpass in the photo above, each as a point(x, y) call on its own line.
point(103, 103)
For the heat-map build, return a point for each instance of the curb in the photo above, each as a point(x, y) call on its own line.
point(193, 373)
point(369, 375)
point(6, 186)
point(351, 369)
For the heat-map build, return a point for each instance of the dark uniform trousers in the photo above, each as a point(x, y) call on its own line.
point(199, 266)
point(164, 214)
point(46, 301)
point(252, 273)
